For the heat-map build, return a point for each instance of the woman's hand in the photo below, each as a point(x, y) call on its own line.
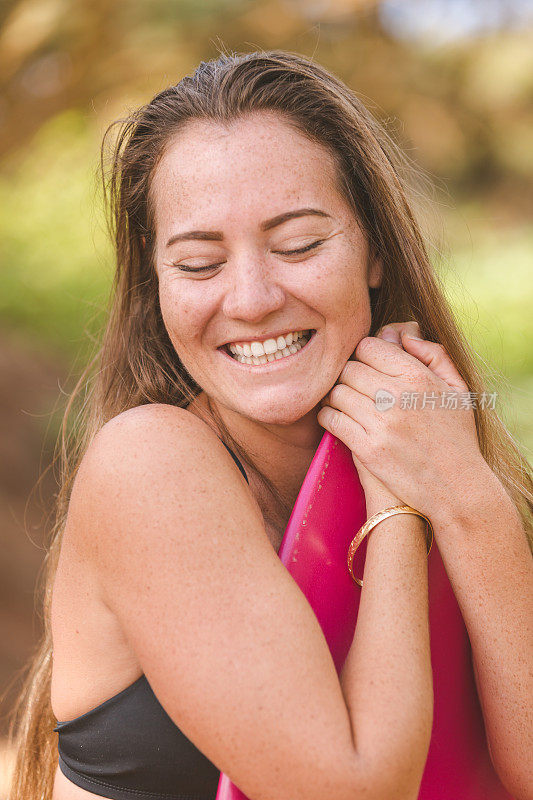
point(393, 408)
point(430, 458)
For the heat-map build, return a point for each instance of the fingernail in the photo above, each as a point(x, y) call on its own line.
point(390, 335)
point(410, 336)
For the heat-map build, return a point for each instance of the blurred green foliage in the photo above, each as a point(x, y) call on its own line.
point(57, 263)
point(488, 281)
point(460, 105)
point(55, 260)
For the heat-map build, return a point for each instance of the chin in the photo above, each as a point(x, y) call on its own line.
point(275, 417)
point(283, 412)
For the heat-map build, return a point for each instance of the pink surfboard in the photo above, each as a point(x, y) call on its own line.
point(329, 510)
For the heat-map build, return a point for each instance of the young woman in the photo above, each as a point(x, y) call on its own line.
point(264, 240)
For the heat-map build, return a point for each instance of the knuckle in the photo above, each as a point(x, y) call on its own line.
point(336, 393)
point(414, 376)
point(383, 430)
point(335, 423)
point(376, 448)
point(347, 370)
point(365, 343)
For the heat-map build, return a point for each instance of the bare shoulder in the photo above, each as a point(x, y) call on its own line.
point(153, 457)
point(154, 437)
point(148, 428)
point(224, 635)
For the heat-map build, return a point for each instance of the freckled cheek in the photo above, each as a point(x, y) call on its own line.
point(184, 319)
point(341, 298)
point(340, 293)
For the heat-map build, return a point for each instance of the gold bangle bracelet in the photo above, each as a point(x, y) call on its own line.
point(371, 523)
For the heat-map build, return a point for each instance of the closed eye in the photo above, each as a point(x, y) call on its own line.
point(299, 251)
point(186, 268)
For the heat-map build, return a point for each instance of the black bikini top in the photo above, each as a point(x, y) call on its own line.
point(128, 748)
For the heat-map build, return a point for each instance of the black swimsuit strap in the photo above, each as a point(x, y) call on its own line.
point(234, 457)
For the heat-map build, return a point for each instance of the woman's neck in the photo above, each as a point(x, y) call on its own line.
point(282, 453)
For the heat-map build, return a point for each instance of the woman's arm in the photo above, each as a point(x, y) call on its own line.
point(227, 639)
point(387, 679)
point(484, 547)
point(430, 457)
point(485, 551)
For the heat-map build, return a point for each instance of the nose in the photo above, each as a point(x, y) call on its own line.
point(253, 293)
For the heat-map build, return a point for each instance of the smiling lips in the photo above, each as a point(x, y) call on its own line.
point(270, 349)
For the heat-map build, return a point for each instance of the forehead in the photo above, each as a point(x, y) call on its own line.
point(258, 164)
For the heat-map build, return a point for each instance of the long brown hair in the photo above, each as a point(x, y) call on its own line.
point(136, 362)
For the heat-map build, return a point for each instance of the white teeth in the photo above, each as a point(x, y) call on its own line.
point(257, 353)
point(270, 346)
point(257, 349)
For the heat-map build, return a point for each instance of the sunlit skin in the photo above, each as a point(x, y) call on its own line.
point(231, 179)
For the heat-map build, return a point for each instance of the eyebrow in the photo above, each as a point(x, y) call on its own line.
point(218, 236)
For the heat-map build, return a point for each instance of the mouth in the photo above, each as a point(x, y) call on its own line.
point(268, 353)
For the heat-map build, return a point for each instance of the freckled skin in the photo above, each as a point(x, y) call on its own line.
point(230, 179)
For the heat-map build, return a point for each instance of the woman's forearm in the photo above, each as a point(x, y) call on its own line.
point(485, 551)
point(387, 678)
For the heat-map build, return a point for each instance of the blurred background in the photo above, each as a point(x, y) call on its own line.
point(451, 79)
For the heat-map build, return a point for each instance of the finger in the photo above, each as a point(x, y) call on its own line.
point(355, 405)
point(383, 357)
point(392, 331)
point(364, 379)
point(435, 357)
point(343, 427)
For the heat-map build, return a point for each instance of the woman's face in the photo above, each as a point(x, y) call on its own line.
point(255, 242)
